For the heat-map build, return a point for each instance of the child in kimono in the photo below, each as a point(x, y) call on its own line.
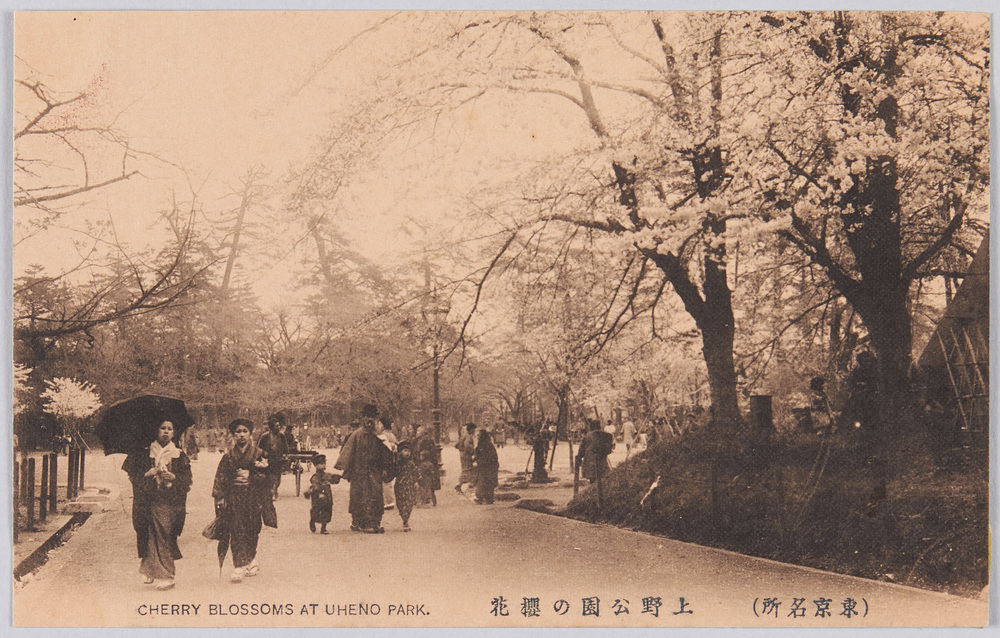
point(321, 495)
point(407, 478)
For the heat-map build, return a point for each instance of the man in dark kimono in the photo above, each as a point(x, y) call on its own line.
point(540, 448)
point(274, 447)
point(366, 463)
point(291, 444)
point(592, 458)
point(487, 467)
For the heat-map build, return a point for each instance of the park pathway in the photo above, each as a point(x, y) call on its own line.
point(463, 565)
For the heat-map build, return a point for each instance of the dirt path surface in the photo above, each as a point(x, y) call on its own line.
point(451, 570)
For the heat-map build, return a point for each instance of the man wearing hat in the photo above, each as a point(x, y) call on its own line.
point(592, 458)
point(366, 463)
point(274, 447)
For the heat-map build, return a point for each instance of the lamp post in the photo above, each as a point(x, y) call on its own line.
point(435, 312)
point(436, 410)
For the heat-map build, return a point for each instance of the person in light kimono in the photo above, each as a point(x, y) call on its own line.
point(383, 430)
point(466, 451)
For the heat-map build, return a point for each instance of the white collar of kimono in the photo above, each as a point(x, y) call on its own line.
point(163, 454)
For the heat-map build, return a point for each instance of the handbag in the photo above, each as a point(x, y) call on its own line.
point(215, 530)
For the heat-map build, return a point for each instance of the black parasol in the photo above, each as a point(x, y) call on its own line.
point(130, 426)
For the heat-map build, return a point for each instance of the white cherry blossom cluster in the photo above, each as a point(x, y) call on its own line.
point(20, 386)
point(67, 397)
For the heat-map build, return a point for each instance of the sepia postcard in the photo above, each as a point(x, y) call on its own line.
point(501, 319)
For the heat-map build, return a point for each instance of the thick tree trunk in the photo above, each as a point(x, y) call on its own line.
point(881, 296)
point(888, 322)
point(891, 339)
point(562, 421)
point(717, 325)
point(717, 346)
point(713, 314)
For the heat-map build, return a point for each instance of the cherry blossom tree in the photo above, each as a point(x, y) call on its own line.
point(871, 144)
point(20, 378)
point(859, 139)
point(64, 153)
point(67, 397)
point(655, 179)
point(71, 401)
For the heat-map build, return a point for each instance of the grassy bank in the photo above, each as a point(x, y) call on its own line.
point(809, 502)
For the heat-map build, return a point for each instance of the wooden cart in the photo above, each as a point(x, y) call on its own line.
point(295, 463)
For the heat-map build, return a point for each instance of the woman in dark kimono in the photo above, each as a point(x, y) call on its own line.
point(487, 468)
point(407, 482)
point(160, 480)
point(242, 498)
point(366, 463)
point(428, 461)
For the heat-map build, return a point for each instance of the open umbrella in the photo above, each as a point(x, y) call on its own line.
point(130, 426)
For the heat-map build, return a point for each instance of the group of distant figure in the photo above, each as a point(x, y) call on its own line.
point(293, 438)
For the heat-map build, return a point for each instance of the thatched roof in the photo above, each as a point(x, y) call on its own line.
point(969, 309)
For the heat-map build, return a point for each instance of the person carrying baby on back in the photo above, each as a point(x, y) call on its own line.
point(320, 495)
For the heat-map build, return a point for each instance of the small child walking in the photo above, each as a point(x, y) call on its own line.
point(321, 495)
point(407, 477)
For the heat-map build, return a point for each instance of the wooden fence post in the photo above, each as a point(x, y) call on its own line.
point(70, 473)
point(43, 492)
point(83, 466)
point(23, 493)
point(53, 482)
point(30, 481)
point(17, 500)
point(76, 472)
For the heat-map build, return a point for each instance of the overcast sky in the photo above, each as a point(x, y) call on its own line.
point(214, 93)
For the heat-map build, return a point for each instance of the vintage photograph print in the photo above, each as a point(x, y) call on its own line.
point(501, 319)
